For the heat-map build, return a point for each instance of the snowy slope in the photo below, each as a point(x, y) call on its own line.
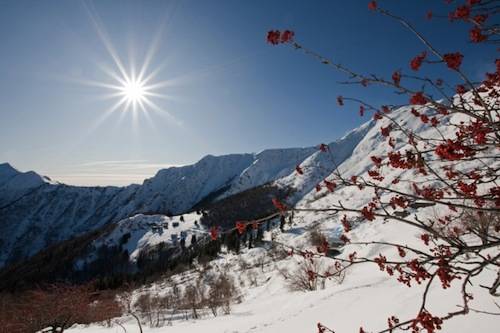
point(319, 165)
point(52, 213)
point(367, 296)
point(267, 166)
point(141, 232)
point(177, 189)
point(374, 144)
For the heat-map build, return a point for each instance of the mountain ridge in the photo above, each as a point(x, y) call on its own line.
point(47, 212)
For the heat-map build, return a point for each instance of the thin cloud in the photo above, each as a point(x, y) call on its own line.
point(127, 165)
point(117, 162)
point(111, 172)
point(99, 179)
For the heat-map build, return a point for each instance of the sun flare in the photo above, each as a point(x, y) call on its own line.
point(135, 87)
point(134, 91)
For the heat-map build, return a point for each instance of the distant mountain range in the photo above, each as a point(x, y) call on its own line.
point(36, 212)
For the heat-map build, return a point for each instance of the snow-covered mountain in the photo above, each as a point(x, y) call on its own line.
point(47, 212)
point(366, 297)
point(36, 212)
point(15, 184)
point(269, 165)
point(319, 165)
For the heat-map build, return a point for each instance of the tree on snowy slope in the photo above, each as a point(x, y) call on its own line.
point(451, 163)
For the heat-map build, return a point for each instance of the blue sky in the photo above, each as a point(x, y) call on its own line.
point(228, 91)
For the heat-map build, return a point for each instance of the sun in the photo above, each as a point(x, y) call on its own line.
point(134, 91)
point(134, 88)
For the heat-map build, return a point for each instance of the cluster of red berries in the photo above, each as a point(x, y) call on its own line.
point(276, 37)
